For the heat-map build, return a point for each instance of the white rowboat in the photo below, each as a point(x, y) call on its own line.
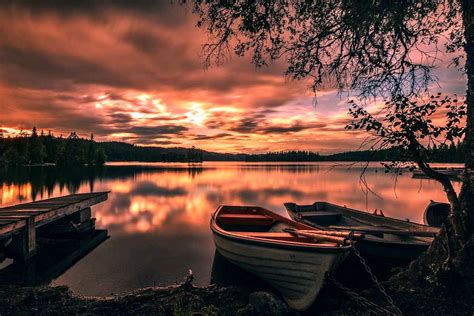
point(254, 239)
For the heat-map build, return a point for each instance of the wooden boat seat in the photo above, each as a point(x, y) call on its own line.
point(245, 219)
point(322, 217)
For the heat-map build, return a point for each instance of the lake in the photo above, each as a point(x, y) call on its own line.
point(157, 214)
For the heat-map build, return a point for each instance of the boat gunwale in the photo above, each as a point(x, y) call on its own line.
point(266, 242)
point(389, 219)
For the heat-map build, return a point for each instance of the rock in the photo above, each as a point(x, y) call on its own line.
point(264, 303)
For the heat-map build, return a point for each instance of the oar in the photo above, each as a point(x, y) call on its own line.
point(317, 236)
point(375, 230)
point(345, 234)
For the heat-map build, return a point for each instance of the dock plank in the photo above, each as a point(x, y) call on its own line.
point(6, 221)
point(32, 212)
point(14, 216)
point(26, 207)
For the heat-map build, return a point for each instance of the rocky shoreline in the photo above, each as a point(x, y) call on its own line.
point(183, 299)
point(186, 299)
point(411, 291)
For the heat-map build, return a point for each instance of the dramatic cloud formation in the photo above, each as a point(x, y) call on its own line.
point(134, 72)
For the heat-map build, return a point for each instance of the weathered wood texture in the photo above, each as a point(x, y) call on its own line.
point(28, 216)
point(19, 223)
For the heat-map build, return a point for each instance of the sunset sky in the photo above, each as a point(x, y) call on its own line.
point(135, 74)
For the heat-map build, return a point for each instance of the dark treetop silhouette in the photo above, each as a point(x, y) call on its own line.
point(373, 48)
point(34, 149)
point(37, 149)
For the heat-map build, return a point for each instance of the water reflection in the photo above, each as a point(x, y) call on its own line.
point(54, 258)
point(158, 214)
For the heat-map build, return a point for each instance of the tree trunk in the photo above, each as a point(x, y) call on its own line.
point(429, 270)
point(462, 257)
point(466, 196)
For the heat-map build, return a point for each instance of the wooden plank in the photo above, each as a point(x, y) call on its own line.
point(16, 216)
point(71, 197)
point(11, 227)
point(8, 220)
point(53, 202)
point(30, 213)
point(42, 202)
point(50, 205)
point(46, 217)
point(64, 198)
point(24, 207)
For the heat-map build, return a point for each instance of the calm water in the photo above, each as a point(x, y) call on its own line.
point(158, 214)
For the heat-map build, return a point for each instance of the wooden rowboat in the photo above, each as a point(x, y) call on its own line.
point(270, 246)
point(387, 242)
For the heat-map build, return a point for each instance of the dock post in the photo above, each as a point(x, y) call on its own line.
point(31, 236)
point(23, 245)
point(81, 216)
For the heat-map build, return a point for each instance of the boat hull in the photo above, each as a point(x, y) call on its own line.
point(390, 255)
point(298, 274)
point(436, 213)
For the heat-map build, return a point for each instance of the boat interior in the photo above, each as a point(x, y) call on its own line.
point(260, 223)
point(326, 215)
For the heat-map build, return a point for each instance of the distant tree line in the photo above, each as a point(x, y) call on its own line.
point(294, 155)
point(36, 149)
point(453, 153)
point(119, 151)
point(448, 153)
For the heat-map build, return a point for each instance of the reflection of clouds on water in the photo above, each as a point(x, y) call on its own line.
point(148, 188)
point(161, 197)
point(158, 217)
point(171, 199)
point(261, 196)
point(126, 262)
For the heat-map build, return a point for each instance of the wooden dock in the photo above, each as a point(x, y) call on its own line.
point(19, 223)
